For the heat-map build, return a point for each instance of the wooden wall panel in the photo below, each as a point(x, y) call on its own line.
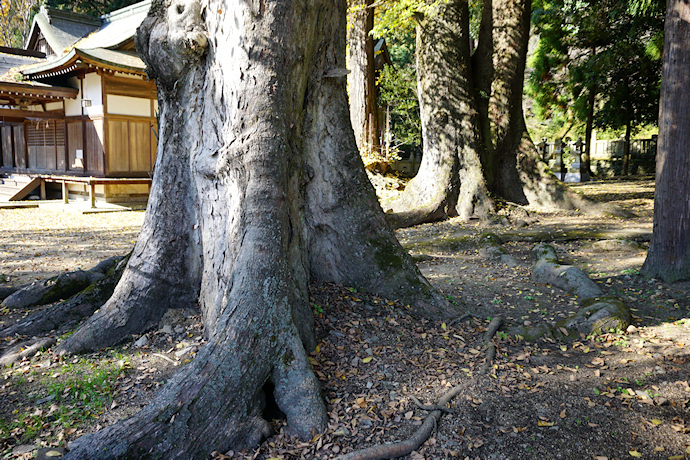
point(60, 143)
point(153, 129)
point(94, 146)
point(75, 141)
point(139, 146)
point(19, 146)
point(45, 141)
point(7, 150)
point(118, 146)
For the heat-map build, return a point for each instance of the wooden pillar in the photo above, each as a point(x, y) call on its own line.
point(92, 194)
point(65, 193)
point(43, 189)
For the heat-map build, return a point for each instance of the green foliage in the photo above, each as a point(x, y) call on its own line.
point(610, 47)
point(15, 21)
point(399, 16)
point(397, 90)
point(90, 7)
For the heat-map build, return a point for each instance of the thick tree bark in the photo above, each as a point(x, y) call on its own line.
point(450, 180)
point(474, 134)
point(268, 191)
point(669, 252)
point(363, 108)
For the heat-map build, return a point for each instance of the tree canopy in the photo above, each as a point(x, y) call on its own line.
point(609, 48)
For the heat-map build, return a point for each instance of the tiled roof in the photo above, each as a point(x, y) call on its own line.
point(9, 60)
point(124, 61)
point(62, 29)
point(118, 27)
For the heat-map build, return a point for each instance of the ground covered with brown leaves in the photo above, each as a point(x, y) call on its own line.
point(624, 394)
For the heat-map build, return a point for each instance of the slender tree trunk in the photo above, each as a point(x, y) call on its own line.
point(589, 126)
point(257, 139)
point(669, 252)
point(626, 148)
point(363, 107)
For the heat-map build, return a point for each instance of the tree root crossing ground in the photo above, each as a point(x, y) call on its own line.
point(614, 395)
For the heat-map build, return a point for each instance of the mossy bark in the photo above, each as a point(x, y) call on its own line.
point(68, 313)
point(450, 181)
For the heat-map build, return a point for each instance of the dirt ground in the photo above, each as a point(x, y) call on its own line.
point(617, 396)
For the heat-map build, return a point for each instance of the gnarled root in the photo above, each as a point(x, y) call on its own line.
point(399, 449)
point(74, 309)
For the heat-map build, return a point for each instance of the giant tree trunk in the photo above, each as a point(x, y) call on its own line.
point(363, 108)
point(669, 252)
point(450, 180)
point(265, 189)
point(474, 134)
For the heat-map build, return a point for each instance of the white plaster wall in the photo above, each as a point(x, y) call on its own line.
point(93, 92)
point(73, 106)
point(126, 105)
point(54, 106)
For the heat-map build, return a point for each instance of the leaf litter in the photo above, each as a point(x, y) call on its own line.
point(605, 397)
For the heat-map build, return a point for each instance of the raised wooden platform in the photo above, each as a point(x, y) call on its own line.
point(18, 186)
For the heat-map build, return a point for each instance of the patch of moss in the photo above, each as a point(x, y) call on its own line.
point(386, 254)
point(489, 239)
point(531, 334)
point(545, 253)
point(599, 317)
point(288, 358)
point(447, 244)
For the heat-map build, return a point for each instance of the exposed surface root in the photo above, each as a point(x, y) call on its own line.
point(26, 349)
point(399, 449)
point(72, 310)
point(600, 315)
point(548, 270)
point(59, 287)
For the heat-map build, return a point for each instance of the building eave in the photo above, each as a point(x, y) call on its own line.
point(77, 59)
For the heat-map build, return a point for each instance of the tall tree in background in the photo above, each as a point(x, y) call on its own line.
point(474, 134)
point(629, 91)
point(15, 21)
point(669, 252)
point(363, 107)
point(259, 187)
point(598, 63)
